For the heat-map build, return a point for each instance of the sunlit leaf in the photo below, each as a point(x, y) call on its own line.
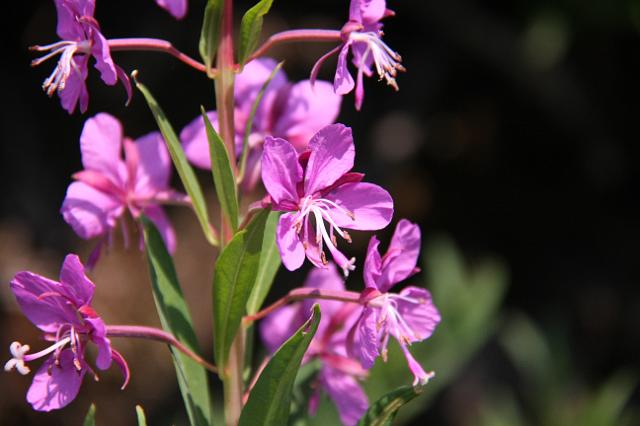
point(210, 34)
point(250, 29)
point(384, 410)
point(269, 264)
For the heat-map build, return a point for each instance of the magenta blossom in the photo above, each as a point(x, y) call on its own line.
point(362, 35)
point(177, 8)
point(292, 111)
point(338, 374)
point(62, 310)
point(108, 186)
point(81, 38)
point(409, 316)
point(316, 187)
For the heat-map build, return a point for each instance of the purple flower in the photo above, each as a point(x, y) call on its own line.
point(339, 374)
point(108, 186)
point(62, 310)
point(292, 111)
point(320, 196)
point(409, 316)
point(362, 35)
point(177, 8)
point(81, 38)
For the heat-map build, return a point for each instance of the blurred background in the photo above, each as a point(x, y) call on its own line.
point(512, 142)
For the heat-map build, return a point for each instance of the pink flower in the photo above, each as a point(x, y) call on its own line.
point(321, 197)
point(409, 316)
point(81, 38)
point(292, 111)
point(62, 310)
point(108, 186)
point(177, 8)
point(362, 35)
point(338, 374)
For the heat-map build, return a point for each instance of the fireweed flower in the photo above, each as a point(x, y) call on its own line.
point(292, 111)
point(339, 374)
point(362, 35)
point(62, 310)
point(321, 197)
point(81, 39)
point(108, 186)
point(177, 8)
point(409, 316)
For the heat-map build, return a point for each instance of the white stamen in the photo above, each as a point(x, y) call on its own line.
point(386, 60)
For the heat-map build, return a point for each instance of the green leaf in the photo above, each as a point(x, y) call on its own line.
point(252, 114)
point(384, 410)
point(269, 401)
point(607, 405)
point(269, 264)
point(222, 174)
point(90, 418)
point(234, 276)
point(142, 419)
point(187, 176)
point(250, 29)
point(210, 33)
point(175, 318)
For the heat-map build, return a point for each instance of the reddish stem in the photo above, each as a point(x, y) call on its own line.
point(153, 45)
point(296, 35)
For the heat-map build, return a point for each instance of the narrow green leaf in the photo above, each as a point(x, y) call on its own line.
point(175, 318)
point(234, 276)
point(270, 399)
point(187, 176)
point(222, 174)
point(210, 34)
point(269, 264)
point(142, 419)
point(90, 418)
point(250, 29)
point(384, 410)
point(252, 114)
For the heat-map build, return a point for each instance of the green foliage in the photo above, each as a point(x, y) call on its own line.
point(234, 277)
point(210, 34)
point(250, 29)
point(187, 176)
point(142, 419)
point(269, 401)
point(269, 263)
point(175, 318)
point(384, 410)
point(222, 174)
point(90, 418)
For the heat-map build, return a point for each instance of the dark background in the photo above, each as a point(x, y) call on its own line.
point(514, 131)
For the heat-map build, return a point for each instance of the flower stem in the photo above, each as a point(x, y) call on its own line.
point(293, 36)
point(303, 294)
point(152, 333)
point(153, 45)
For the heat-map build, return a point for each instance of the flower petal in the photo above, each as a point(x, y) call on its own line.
point(281, 171)
point(332, 155)
point(161, 221)
point(326, 278)
point(154, 165)
point(307, 110)
point(102, 54)
point(346, 393)
point(177, 8)
point(364, 339)
point(195, 143)
point(90, 212)
point(276, 328)
point(75, 88)
point(55, 386)
point(371, 206)
point(99, 337)
point(75, 281)
point(401, 258)
point(367, 11)
point(343, 82)
point(290, 246)
point(372, 264)
point(101, 145)
point(422, 317)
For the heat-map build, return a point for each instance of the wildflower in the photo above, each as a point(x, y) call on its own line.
point(62, 310)
point(339, 374)
point(109, 186)
point(409, 316)
point(177, 8)
point(292, 111)
point(81, 38)
point(362, 35)
point(316, 187)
